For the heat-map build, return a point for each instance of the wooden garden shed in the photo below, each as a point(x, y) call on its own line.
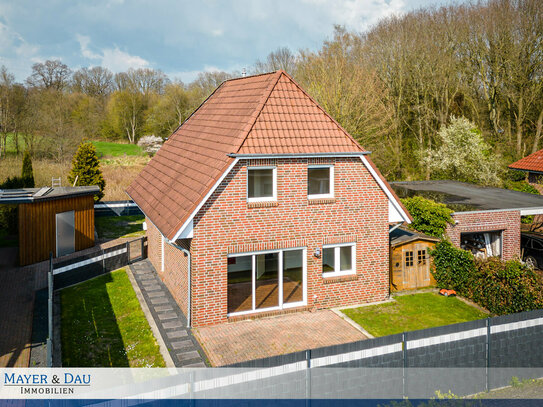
point(58, 220)
point(410, 259)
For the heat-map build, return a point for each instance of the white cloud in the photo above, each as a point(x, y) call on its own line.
point(114, 59)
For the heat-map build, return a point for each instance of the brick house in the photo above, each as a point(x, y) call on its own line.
point(533, 166)
point(487, 221)
point(262, 203)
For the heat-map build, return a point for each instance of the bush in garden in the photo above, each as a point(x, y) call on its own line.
point(502, 287)
point(429, 216)
point(453, 267)
point(150, 144)
point(86, 168)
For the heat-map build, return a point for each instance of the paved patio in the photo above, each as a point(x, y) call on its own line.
point(236, 342)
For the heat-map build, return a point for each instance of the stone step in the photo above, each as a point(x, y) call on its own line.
point(172, 324)
point(185, 357)
point(157, 294)
point(177, 334)
point(162, 308)
point(159, 300)
point(164, 316)
point(186, 344)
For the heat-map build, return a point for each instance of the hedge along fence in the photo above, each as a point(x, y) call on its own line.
point(501, 287)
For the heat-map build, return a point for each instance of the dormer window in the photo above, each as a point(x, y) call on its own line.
point(320, 181)
point(261, 184)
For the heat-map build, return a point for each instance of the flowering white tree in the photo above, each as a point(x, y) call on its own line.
point(463, 155)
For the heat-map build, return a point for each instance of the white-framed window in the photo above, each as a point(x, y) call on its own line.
point(338, 259)
point(261, 184)
point(320, 181)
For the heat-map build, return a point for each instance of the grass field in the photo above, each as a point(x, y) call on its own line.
point(412, 312)
point(113, 227)
point(109, 149)
point(103, 325)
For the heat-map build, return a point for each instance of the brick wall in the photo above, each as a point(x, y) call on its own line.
point(507, 221)
point(175, 264)
point(227, 224)
point(154, 243)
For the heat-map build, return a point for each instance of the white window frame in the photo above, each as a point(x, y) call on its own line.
point(280, 285)
point(263, 199)
point(321, 196)
point(337, 272)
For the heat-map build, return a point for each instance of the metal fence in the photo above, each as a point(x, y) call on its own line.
point(85, 267)
point(495, 348)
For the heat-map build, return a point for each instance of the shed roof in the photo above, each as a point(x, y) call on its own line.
point(532, 162)
point(266, 114)
point(29, 195)
point(464, 197)
point(400, 236)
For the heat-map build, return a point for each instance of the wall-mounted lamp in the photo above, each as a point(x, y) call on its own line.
point(317, 253)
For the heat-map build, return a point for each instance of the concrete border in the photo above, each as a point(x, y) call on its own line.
point(340, 314)
point(154, 328)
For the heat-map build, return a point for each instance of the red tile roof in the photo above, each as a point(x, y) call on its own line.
point(533, 162)
point(262, 114)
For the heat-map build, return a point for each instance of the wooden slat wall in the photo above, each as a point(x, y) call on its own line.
point(37, 234)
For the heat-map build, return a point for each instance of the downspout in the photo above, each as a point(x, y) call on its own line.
point(187, 252)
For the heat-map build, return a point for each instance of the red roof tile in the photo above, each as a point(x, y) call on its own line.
point(262, 114)
point(533, 162)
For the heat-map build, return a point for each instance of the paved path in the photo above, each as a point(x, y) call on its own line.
point(236, 342)
point(172, 324)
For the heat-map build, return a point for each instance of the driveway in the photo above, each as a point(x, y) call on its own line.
point(236, 342)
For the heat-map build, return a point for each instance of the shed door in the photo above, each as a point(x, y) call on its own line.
point(65, 222)
point(423, 265)
point(409, 268)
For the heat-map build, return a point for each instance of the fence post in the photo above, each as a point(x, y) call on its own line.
point(103, 262)
point(404, 368)
point(488, 336)
point(308, 378)
point(142, 247)
point(50, 312)
point(127, 244)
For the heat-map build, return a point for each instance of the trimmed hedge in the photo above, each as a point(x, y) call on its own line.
point(502, 287)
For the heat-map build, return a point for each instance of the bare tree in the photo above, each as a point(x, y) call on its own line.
point(95, 81)
point(51, 74)
point(281, 58)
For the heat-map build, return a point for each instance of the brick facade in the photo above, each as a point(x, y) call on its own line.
point(175, 270)
point(228, 224)
point(506, 221)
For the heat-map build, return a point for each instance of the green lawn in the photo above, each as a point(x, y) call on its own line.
point(108, 149)
point(113, 227)
point(103, 325)
point(412, 312)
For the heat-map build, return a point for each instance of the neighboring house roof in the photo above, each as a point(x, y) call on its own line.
point(29, 195)
point(464, 197)
point(401, 236)
point(266, 114)
point(533, 162)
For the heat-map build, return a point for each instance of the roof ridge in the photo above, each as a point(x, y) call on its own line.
point(253, 76)
point(325, 112)
point(260, 106)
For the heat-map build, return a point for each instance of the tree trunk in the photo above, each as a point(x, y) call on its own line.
point(539, 127)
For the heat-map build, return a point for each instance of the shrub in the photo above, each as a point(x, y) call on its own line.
point(521, 186)
point(452, 267)
point(502, 287)
point(86, 168)
point(27, 172)
point(9, 218)
point(429, 216)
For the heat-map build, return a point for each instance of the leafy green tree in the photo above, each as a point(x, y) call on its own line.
point(429, 217)
point(28, 173)
point(86, 168)
point(463, 155)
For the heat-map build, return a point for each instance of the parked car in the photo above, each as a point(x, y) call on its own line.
point(531, 246)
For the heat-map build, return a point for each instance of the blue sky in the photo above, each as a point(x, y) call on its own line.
point(179, 37)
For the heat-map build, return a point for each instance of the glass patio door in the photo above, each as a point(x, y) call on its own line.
point(266, 280)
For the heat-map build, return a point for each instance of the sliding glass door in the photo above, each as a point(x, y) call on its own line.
point(266, 280)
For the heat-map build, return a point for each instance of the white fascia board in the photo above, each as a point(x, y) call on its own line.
point(187, 233)
point(188, 223)
point(398, 215)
